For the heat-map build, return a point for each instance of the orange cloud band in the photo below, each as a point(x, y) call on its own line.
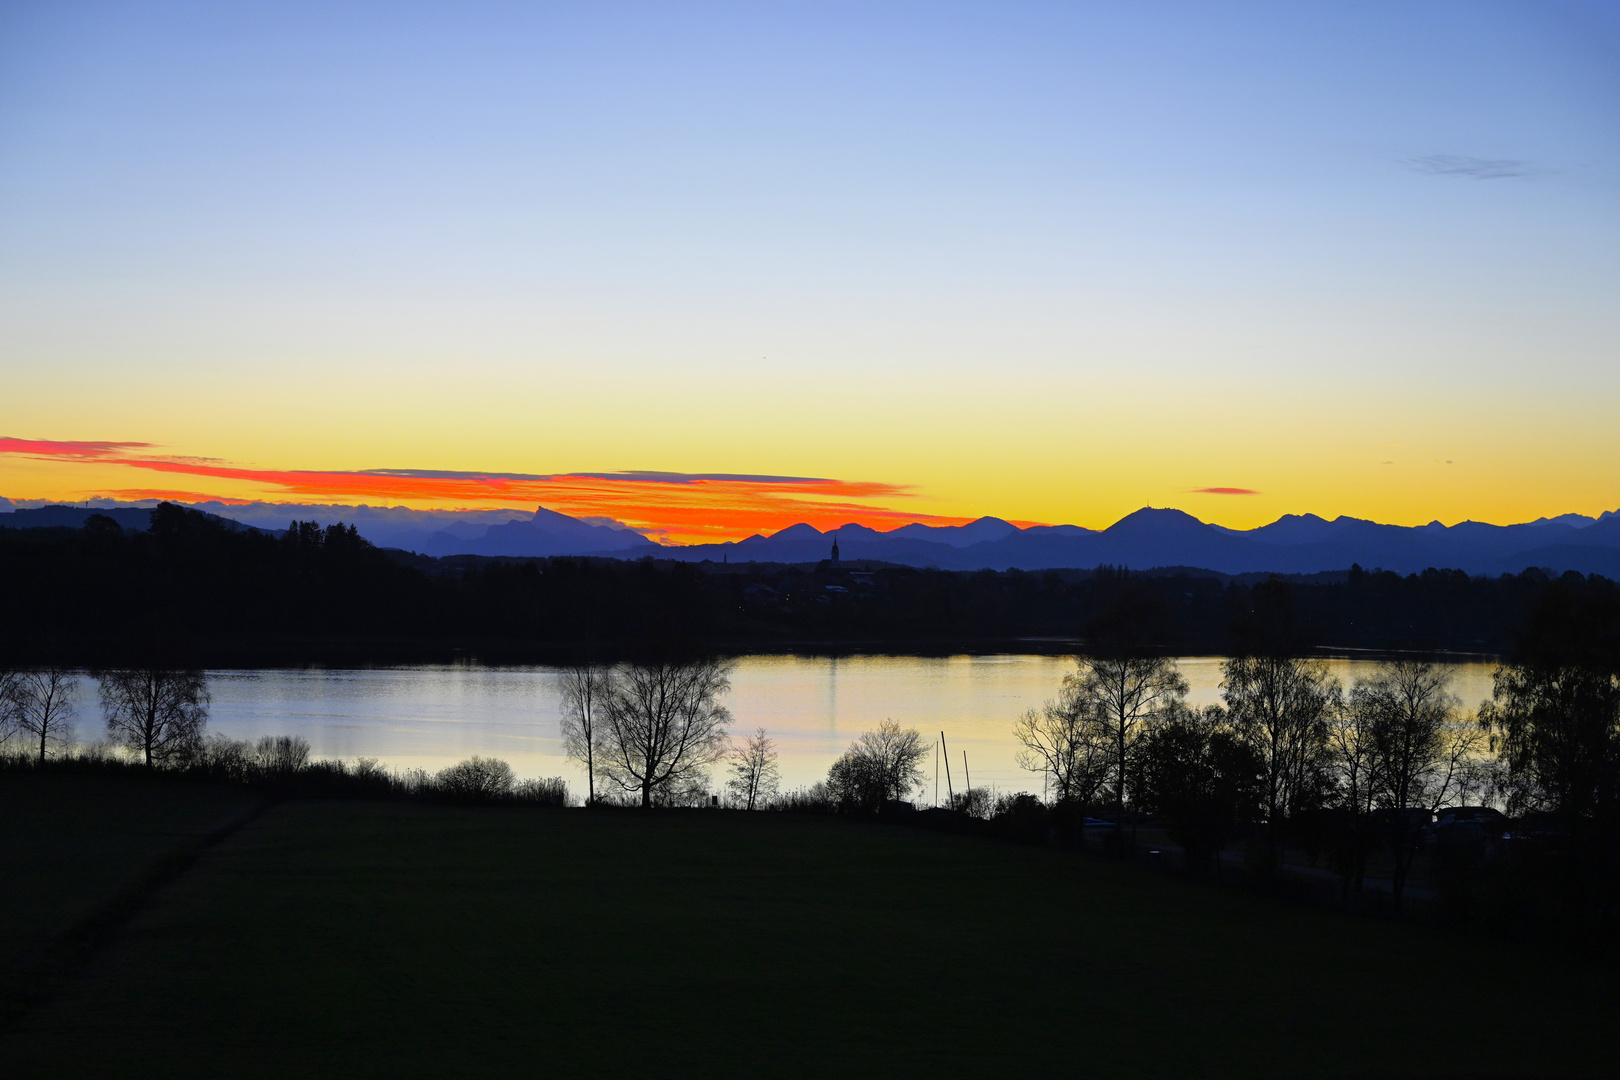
point(72, 451)
point(671, 506)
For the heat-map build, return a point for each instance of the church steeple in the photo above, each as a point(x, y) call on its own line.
point(835, 548)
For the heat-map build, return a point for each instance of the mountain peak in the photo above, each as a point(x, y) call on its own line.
point(1151, 517)
point(959, 536)
point(854, 530)
point(1294, 529)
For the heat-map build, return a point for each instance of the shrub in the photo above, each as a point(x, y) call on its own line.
point(975, 802)
point(691, 792)
point(879, 766)
point(816, 799)
point(222, 758)
point(545, 791)
point(281, 767)
point(477, 779)
point(281, 753)
point(1020, 817)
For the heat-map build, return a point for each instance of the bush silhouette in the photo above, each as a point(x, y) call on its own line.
point(478, 779)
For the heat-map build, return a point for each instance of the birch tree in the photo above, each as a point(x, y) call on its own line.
point(1281, 706)
point(157, 712)
point(754, 772)
point(1420, 750)
point(42, 706)
point(8, 702)
point(663, 725)
point(586, 689)
point(1123, 696)
point(1062, 740)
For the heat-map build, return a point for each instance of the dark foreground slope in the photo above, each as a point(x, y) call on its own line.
point(409, 940)
point(73, 843)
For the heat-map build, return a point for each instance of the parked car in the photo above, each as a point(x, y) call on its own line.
point(1454, 823)
point(1413, 821)
point(1486, 816)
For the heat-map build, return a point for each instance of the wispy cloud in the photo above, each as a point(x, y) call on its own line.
point(683, 507)
point(1472, 168)
point(168, 495)
point(72, 451)
point(1224, 491)
point(451, 474)
point(648, 477)
point(638, 476)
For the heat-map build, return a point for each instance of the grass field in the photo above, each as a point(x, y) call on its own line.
point(69, 844)
point(354, 939)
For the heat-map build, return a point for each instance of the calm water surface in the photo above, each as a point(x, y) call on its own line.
point(429, 717)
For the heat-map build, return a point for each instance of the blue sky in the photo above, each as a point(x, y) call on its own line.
point(1022, 231)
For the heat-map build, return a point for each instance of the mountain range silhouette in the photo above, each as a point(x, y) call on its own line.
point(1144, 540)
point(1153, 539)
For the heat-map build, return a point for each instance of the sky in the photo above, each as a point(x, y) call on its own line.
point(709, 268)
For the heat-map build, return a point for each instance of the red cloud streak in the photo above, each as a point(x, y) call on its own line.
point(71, 451)
point(1224, 491)
point(690, 509)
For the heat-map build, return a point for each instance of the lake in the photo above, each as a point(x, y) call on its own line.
point(428, 717)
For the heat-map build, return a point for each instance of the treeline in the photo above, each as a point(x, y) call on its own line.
point(1507, 814)
point(189, 585)
point(1511, 809)
point(204, 593)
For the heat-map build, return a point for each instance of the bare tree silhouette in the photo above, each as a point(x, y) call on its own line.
point(1123, 696)
point(1419, 749)
point(1556, 728)
point(586, 689)
point(41, 704)
point(1554, 722)
point(1061, 740)
point(157, 712)
point(8, 702)
point(1280, 706)
point(881, 765)
point(1352, 763)
point(663, 725)
point(754, 773)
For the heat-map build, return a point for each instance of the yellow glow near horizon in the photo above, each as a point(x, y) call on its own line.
point(1066, 457)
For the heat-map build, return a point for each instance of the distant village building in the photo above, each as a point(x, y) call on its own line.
point(835, 548)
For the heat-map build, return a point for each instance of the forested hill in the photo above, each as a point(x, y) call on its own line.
point(193, 589)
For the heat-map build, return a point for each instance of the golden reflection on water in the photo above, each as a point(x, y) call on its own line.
point(429, 717)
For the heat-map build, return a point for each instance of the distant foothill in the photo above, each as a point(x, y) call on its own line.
point(1145, 540)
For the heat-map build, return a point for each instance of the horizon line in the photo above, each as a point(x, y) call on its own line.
point(197, 500)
